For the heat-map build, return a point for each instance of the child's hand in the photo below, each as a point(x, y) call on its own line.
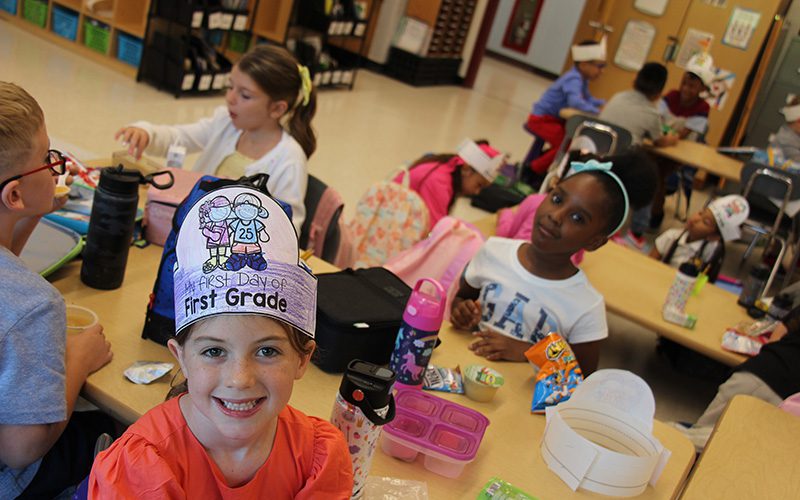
point(496, 346)
point(90, 348)
point(465, 313)
point(135, 138)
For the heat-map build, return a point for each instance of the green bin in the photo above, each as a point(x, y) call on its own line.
point(35, 11)
point(96, 36)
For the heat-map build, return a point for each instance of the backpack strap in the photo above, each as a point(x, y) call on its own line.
point(667, 257)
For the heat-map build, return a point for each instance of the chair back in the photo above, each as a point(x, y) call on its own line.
point(761, 182)
point(320, 231)
point(609, 138)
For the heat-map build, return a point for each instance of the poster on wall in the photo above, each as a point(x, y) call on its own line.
point(694, 42)
point(720, 88)
point(652, 7)
point(741, 26)
point(634, 46)
point(521, 25)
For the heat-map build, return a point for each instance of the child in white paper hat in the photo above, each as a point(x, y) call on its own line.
point(441, 178)
point(243, 337)
point(787, 139)
point(571, 90)
point(703, 237)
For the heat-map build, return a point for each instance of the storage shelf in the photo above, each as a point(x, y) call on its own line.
point(128, 16)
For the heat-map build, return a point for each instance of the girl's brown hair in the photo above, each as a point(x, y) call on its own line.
point(297, 339)
point(276, 72)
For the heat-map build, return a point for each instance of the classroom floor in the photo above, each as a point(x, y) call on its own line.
point(363, 136)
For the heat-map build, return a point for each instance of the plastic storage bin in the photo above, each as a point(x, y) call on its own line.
point(129, 49)
point(96, 36)
point(35, 11)
point(9, 6)
point(65, 23)
point(446, 433)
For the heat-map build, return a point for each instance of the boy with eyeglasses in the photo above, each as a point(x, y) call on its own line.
point(571, 90)
point(44, 447)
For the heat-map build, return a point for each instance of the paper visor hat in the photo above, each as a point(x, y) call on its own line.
point(594, 52)
point(237, 253)
point(483, 158)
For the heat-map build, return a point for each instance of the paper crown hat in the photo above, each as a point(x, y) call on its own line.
point(702, 65)
point(594, 52)
point(483, 158)
point(791, 113)
point(237, 253)
point(601, 438)
point(730, 212)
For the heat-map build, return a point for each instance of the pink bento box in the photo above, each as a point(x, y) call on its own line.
point(448, 434)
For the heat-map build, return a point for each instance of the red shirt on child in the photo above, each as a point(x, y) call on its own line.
point(159, 457)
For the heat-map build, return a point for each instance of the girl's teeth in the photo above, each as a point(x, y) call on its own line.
point(239, 406)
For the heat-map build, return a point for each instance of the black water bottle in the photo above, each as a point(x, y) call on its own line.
point(111, 228)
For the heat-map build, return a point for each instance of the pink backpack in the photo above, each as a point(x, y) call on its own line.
point(389, 218)
point(443, 255)
point(329, 204)
point(161, 205)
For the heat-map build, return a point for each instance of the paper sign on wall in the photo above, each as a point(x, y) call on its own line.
point(741, 27)
point(694, 42)
point(720, 88)
point(652, 7)
point(634, 46)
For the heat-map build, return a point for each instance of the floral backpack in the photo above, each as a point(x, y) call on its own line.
point(388, 219)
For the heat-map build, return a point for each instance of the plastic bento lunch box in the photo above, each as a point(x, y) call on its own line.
point(446, 433)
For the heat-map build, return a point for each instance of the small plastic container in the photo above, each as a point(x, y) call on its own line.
point(35, 11)
point(96, 35)
point(129, 49)
point(481, 382)
point(65, 23)
point(446, 433)
point(9, 6)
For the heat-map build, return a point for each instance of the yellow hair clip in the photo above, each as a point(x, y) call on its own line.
point(305, 79)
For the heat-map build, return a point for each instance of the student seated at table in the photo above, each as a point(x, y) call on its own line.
point(441, 178)
point(636, 111)
point(685, 113)
point(571, 90)
point(241, 347)
point(787, 139)
point(772, 376)
point(44, 446)
point(265, 127)
point(702, 239)
point(514, 292)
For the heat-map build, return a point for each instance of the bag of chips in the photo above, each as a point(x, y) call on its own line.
point(559, 373)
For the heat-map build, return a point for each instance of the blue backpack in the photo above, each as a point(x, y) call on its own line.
point(159, 324)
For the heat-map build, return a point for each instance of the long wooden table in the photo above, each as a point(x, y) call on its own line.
point(702, 156)
point(510, 448)
point(751, 454)
point(634, 286)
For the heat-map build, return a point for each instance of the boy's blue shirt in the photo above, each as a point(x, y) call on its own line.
point(32, 365)
point(571, 90)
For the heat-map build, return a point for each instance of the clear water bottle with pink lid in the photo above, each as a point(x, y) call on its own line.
point(418, 333)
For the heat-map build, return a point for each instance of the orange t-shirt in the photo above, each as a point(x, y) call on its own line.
point(158, 457)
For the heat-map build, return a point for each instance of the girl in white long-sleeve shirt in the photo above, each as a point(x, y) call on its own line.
point(265, 127)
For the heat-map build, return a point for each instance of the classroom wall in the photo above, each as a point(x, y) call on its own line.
point(552, 35)
point(472, 36)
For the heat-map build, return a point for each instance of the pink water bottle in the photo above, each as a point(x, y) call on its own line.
point(416, 339)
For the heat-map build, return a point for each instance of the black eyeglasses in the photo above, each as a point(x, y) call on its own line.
point(55, 161)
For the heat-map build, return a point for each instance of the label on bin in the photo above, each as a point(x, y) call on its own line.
point(240, 23)
point(205, 82)
point(226, 21)
point(197, 19)
point(188, 81)
point(219, 81)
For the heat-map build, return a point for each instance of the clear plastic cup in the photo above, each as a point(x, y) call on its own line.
point(80, 318)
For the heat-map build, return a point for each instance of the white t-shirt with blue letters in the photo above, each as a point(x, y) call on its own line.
point(523, 306)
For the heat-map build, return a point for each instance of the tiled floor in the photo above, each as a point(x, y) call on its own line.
point(363, 136)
